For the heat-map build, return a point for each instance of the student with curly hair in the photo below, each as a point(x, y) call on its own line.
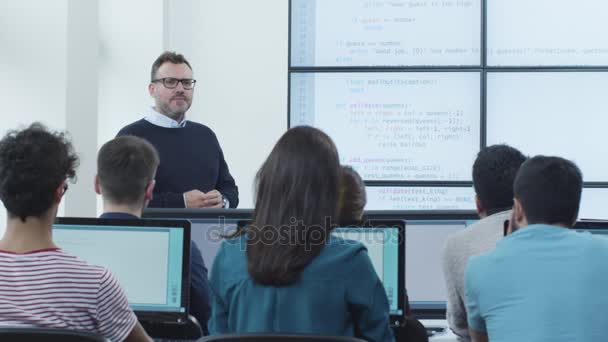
point(40, 284)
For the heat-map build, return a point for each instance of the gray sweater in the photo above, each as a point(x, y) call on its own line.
point(478, 238)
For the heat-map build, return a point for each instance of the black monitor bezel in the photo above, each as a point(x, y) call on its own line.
point(195, 214)
point(590, 224)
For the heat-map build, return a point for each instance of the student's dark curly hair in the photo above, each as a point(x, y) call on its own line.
point(33, 164)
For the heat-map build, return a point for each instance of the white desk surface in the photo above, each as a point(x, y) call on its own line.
point(445, 336)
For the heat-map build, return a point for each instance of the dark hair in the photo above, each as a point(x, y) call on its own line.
point(352, 196)
point(33, 164)
point(167, 56)
point(494, 171)
point(297, 198)
point(125, 166)
point(549, 190)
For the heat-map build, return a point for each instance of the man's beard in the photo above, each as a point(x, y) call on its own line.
point(176, 115)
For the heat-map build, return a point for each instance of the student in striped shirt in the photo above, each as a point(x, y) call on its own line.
point(40, 284)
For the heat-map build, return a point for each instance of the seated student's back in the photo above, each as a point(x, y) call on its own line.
point(286, 273)
point(41, 286)
point(126, 167)
point(542, 282)
point(336, 293)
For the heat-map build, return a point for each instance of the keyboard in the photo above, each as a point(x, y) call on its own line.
point(431, 331)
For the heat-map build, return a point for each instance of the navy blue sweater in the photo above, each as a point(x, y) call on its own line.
point(190, 158)
point(200, 306)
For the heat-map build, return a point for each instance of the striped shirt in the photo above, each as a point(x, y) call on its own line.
point(52, 289)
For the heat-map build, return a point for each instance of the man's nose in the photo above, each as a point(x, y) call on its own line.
point(179, 86)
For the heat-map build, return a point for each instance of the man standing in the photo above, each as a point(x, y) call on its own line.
point(125, 180)
point(543, 282)
point(192, 171)
point(494, 171)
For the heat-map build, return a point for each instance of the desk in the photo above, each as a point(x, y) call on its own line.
point(446, 336)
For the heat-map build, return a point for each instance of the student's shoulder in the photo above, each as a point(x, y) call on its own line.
point(478, 236)
point(598, 242)
point(233, 249)
point(82, 266)
point(344, 251)
point(483, 263)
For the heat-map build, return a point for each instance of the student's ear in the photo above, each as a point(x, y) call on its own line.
point(150, 190)
point(518, 213)
point(97, 187)
point(478, 205)
point(60, 192)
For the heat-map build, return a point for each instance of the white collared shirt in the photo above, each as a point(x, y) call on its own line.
point(161, 120)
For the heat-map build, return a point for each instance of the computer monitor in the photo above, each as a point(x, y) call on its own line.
point(150, 259)
point(385, 246)
point(209, 227)
point(426, 234)
point(425, 241)
point(594, 227)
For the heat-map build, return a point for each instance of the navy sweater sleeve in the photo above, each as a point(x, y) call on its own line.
point(190, 158)
point(199, 288)
point(225, 183)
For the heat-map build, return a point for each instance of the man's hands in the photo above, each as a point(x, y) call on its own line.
point(199, 199)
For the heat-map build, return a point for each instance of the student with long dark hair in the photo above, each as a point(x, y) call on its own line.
point(286, 273)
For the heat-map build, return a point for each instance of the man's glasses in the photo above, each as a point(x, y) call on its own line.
point(171, 83)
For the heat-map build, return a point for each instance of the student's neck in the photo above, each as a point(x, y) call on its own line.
point(122, 208)
point(33, 234)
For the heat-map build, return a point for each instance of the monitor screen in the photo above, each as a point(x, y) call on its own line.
point(209, 227)
point(156, 252)
point(383, 244)
point(419, 198)
point(208, 235)
point(593, 204)
point(424, 244)
point(547, 33)
point(551, 113)
point(385, 33)
point(413, 126)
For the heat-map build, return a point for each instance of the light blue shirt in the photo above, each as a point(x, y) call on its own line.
point(161, 120)
point(541, 283)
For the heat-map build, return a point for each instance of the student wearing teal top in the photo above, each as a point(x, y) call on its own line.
point(543, 282)
point(286, 273)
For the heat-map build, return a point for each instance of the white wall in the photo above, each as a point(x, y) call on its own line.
point(81, 101)
point(130, 38)
point(238, 49)
point(33, 39)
